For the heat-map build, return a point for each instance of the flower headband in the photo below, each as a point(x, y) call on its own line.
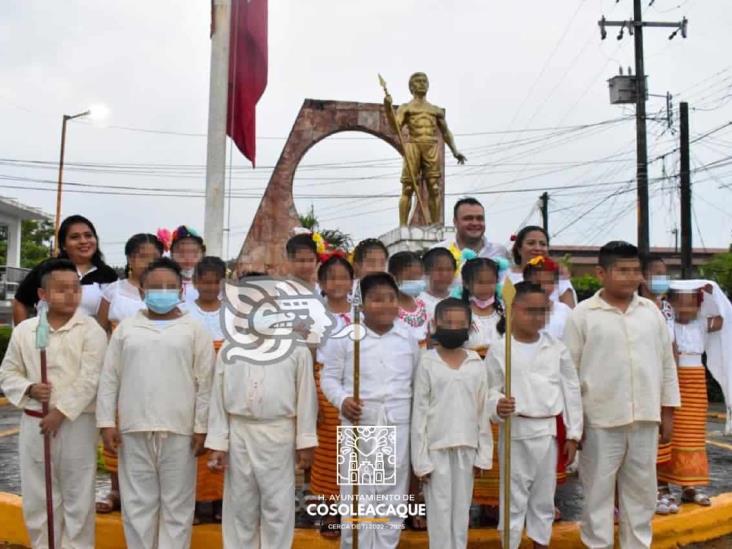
point(169, 238)
point(544, 263)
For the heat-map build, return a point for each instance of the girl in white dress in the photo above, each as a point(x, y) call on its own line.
point(187, 249)
point(406, 268)
point(480, 278)
point(544, 272)
point(122, 299)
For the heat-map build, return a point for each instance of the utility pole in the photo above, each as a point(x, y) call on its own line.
point(213, 224)
point(635, 29)
point(545, 211)
point(686, 265)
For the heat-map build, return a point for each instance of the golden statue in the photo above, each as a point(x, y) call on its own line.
point(421, 154)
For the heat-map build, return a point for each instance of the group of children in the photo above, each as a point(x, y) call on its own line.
point(601, 375)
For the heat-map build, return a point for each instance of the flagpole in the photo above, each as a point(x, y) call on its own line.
point(213, 225)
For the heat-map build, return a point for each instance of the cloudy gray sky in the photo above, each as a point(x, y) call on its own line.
point(517, 79)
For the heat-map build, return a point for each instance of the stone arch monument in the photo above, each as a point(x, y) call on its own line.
point(263, 248)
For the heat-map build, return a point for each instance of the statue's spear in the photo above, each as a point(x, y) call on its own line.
point(415, 185)
point(509, 292)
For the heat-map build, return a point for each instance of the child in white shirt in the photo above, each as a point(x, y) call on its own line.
point(157, 376)
point(450, 425)
point(389, 354)
point(544, 384)
point(406, 268)
point(480, 279)
point(75, 353)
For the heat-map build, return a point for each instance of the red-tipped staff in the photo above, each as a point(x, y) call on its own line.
point(41, 344)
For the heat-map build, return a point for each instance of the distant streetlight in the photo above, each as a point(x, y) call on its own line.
point(95, 112)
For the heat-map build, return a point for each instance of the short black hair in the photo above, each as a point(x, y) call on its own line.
point(468, 200)
point(376, 280)
point(210, 264)
point(162, 263)
point(521, 236)
point(646, 261)
point(329, 263)
point(401, 261)
point(53, 265)
point(614, 251)
point(365, 246)
point(452, 303)
point(523, 289)
point(430, 257)
point(300, 242)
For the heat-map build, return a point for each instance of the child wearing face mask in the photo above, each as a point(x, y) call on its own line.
point(157, 378)
point(655, 286)
point(450, 433)
point(406, 268)
point(480, 280)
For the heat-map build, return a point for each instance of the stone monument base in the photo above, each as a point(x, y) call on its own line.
point(415, 239)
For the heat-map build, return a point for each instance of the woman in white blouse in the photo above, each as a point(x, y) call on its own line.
point(79, 243)
point(533, 241)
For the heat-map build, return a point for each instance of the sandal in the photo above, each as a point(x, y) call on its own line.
point(691, 495)
point(662, 504)
point(325, 527)
point(108, 504)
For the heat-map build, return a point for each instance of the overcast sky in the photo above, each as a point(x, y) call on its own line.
point(523, 67)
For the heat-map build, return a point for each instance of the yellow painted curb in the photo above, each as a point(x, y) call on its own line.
point(692, 525)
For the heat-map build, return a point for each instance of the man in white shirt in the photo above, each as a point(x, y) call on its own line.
point(621, 346)
point(469, 222)
point(261, 417)
point(75, 352)
point(388, 356)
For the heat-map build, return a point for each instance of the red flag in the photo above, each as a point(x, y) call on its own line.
point(247, 71)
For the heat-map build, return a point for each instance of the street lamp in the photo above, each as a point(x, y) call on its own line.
point(96, 112)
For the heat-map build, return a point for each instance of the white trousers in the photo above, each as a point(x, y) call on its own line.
point(73, 470)
point(259, 486)
point(379, 535)
point(533, 483)
point(157, 482)
point(448, 494)
point(626, 456)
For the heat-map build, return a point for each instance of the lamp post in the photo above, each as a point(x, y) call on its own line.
point(57, 222)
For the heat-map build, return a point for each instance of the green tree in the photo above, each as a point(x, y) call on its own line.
point(719, 269)
point(35, 244)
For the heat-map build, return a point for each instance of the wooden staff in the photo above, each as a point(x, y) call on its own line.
point(356, 396)
point(509, 292)
point(41, 344)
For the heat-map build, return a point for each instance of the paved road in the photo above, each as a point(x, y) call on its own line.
point(569, 495)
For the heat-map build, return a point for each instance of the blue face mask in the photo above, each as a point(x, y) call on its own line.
point(659, 284)
point(162, 301)
point(413, 287)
